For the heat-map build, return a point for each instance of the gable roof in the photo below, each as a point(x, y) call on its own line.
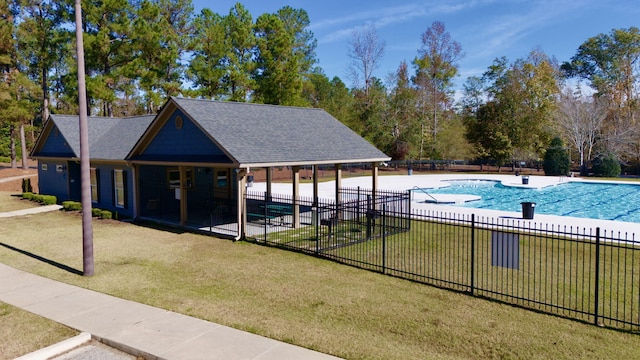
point(109, 138)
point(270, 135)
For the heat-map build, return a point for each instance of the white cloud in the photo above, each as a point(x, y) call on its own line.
point(384, 17)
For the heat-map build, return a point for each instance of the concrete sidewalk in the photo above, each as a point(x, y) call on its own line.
point(29, 211)
point(139, 329)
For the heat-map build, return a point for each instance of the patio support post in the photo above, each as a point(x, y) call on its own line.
point(374, 184)
point(136, 190)
point(314, 168)
point(183, 196)
point(269, 181)
point(296, 193)
point(338, 176)
point(242, 201)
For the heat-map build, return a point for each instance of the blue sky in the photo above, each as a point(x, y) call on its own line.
point(486, 29)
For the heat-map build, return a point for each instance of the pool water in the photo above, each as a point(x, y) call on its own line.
point(586, 200)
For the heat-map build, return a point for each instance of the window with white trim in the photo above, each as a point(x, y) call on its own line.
point(118, 188)
point(93, 176)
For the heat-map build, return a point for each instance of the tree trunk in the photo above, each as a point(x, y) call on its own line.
point(23, 144)
point(12, 146)
point(45, 103)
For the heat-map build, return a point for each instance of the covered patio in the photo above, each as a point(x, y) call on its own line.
point(197, 158)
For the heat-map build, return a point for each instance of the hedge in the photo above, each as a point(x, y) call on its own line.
point(71, 205)
point(45, 199)
point(106, 214)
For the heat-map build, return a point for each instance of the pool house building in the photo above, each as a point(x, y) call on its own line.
point(190, 165)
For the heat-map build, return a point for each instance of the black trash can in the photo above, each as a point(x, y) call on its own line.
point(528, 208)
point(525, 180)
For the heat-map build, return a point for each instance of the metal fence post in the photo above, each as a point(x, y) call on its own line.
point(473, 254)
point(597, 279)
point(266, 202)
point(315, 212)
point(384, 239)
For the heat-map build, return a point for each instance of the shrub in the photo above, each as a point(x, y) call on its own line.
point(71, 205)
point(106, 214)
point(556, 159)
point(37, 198)
point(27, 195)
point(96, 212)
point(26, 185)
point(606, 166)
point(49, 199)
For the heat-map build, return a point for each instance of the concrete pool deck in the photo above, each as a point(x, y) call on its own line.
point(408, 182)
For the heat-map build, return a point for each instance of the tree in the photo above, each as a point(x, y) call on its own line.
point(402, 113)
point(18, 103)
point(473, 95)
point(18, 94)
point(330, 95)
point(522, 99)
point(110, 49)
point(42, 43)
point(489, 132)
point(606, 165)
point(161, 38)
point(370, 120)
point(580, 120)
point(556, 159)
point(241, 44)
point(208, 64)
point(436, 67)
point(610, 63)
point(365, 51)
point(286, 54)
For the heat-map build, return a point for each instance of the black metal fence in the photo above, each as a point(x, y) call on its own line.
point(578, 273)
point(319, 225)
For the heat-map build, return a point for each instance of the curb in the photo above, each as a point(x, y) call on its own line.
point(57, 349)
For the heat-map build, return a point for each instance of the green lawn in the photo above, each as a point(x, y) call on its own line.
point(297, 298)
point(10, 201)
point(22, 332)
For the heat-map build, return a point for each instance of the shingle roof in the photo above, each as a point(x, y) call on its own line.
point(269, 134)
point(109, 138)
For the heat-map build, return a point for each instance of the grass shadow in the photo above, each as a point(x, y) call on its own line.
point(44, 260)
point(150, 224)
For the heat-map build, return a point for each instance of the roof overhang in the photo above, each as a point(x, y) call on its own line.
point(307, 163)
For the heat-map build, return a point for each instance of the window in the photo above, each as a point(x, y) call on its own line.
point(44, 167)
point(93, 176)
point(222, 178)
point(174, 179)
point(118, 188)
point(173, 176)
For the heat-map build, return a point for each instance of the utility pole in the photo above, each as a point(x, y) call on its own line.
point(85, 181)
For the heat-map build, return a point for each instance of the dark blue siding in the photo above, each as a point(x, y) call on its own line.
point(188, 140)
point(56, 145)
point(106, 191)
point(52, 181)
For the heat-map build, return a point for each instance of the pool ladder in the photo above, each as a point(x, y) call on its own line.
point(424, 191)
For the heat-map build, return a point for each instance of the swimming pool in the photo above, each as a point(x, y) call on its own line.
point(619, 202)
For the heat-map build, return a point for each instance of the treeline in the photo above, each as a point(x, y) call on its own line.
point(138, 53)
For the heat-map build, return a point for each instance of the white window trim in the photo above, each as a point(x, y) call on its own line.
point(116, 188)
point(94, 185)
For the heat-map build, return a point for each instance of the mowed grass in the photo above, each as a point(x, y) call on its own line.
point(10, 201)
point(299, 299)
point(22, 332)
